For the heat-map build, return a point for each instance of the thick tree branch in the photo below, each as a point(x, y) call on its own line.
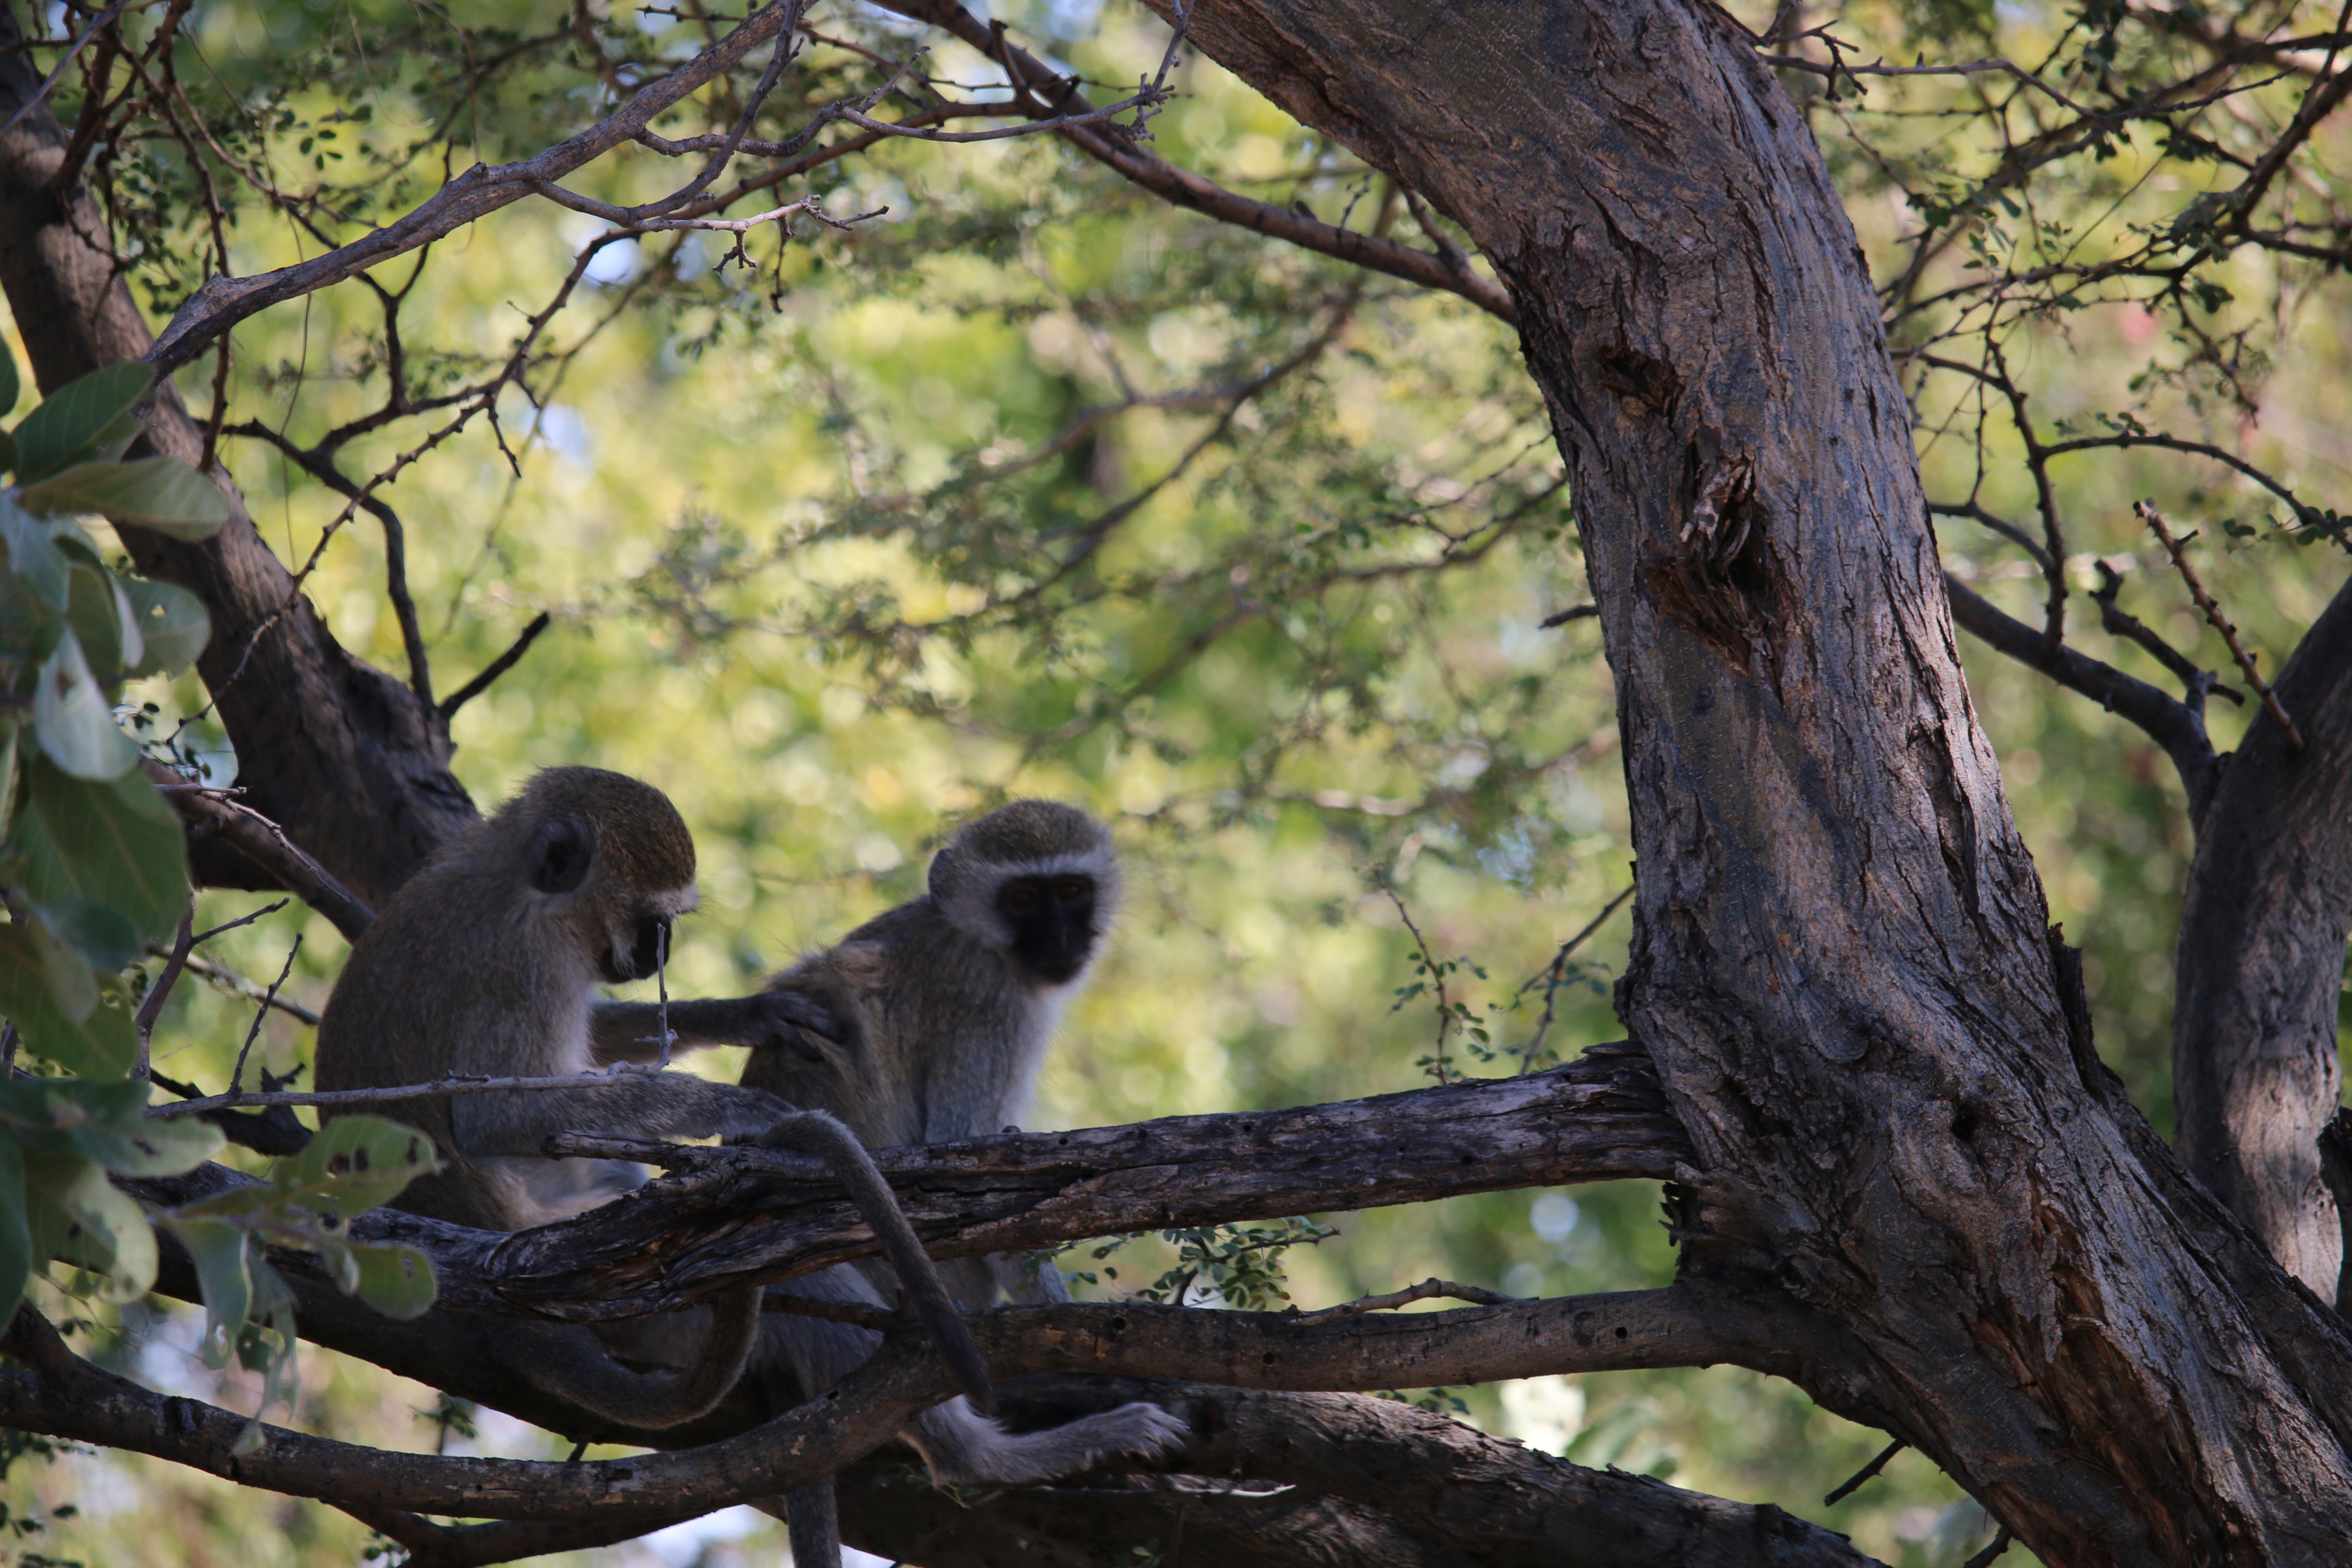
point(1044, 95)
point(2260, 962)
point(739, 1214)
point(2170, 722)
point(481, 190)
point(352, 764)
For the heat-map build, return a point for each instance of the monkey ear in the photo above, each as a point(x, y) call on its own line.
point(559, 855)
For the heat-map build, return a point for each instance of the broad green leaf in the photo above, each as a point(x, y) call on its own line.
point(395, 1280)
point(72, 987)
point(115, 843)
point(220, 1252)
point(31, 553)
point(173, 623)
point(99, 613)
point(7, 764)
point(99, 933)
point(82, 414)
point(75, 720)
point(354, 1164)
point(104, 1230)
point(7, 442)
point(161, 493)
point(10, 386)
point(155, 1148)
point(101, 1045)
point(16, 1236)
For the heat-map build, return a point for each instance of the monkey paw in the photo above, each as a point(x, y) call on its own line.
point(786, 1020)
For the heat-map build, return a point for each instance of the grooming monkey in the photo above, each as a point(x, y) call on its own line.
point(487, 963)
point(946, 1006)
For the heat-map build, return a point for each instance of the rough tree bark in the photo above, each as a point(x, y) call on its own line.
point(2260, 962)
point(1840, 960)
point(1840, 963)
point(351, 762)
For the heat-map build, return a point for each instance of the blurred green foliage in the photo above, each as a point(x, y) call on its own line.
point(1035, 486)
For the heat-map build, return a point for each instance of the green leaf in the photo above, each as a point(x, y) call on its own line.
point(32, 555)
point(161, 493)
point(15, 1238)
point(220, 1252)
point(99, 613)
point(71, 984)
point(395, 1280)
point(354, 1164)
point(7, 442)
point(99, 932)
point(173, 623)
point(81, 415)
point(75, 720)
point(115, 843)
point(150, 1148)
point(102, 1045)
point(77, 1216)
point(10, 386)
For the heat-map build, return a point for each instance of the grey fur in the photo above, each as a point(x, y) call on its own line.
point(943, 1033)
point(475, 968)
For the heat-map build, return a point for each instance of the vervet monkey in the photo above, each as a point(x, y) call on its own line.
point(947, 1004)
point(487, 963)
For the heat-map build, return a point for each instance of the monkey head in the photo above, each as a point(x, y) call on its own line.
point(1035, 880)
point(605, 856)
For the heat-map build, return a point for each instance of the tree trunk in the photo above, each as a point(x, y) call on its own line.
point(353, 763)
point(2261, 963)
point(1840, 962)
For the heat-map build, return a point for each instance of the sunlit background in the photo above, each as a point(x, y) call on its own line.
point(790, 524)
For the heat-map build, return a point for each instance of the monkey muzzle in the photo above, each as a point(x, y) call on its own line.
point(648, 950)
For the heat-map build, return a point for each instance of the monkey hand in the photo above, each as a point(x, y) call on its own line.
point(786, 1020)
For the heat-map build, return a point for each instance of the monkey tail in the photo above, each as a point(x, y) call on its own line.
point(817, 1133)
point(569, 1361)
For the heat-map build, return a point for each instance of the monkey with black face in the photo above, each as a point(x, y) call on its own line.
point(487, 963)
point(946, 1006)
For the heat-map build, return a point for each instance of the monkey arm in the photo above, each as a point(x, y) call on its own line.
point(655, 1105)
point(631, 1031)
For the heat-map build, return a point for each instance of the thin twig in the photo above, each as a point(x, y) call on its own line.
point(1853, 1482)
point(236, 1074)
point(495, 667)
point(41, 93)
point(2115, 621)
point(1999, 1544)
point(1440, 1067)
point(2177, 550)
point(152, 1005)
point(1573, 613)
point(437, 1089)
point(1553, 975)
point(229, 980)
point(1427, 1291)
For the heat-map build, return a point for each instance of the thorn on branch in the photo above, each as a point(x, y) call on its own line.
point(2179, 549)
point(2117, 621)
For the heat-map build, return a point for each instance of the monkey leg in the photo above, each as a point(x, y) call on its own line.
point(816, 1132)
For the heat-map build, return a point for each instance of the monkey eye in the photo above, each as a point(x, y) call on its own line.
point(1072, 890)
point(1020, 898)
